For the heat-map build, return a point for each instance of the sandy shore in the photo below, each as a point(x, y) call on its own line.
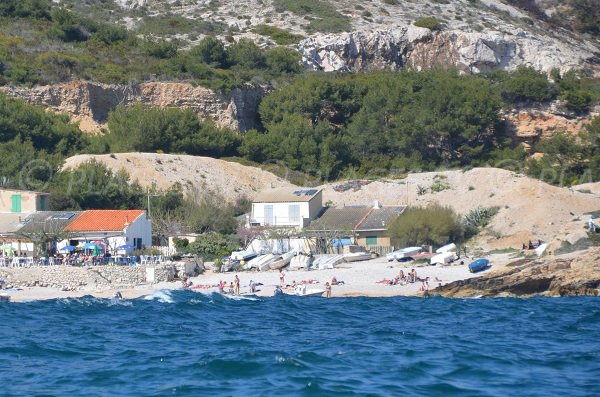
point(360, 279)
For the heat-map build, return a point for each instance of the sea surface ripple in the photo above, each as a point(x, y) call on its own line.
point(184, 343)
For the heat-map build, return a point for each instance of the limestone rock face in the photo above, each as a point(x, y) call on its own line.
point(419, 48)
point(91, 102)
point(573, 275)
point(533, 122)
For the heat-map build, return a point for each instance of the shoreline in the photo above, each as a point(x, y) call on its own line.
point(359, 278)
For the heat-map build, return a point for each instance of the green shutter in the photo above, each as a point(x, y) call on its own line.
point(371, 240)
point(16, 203)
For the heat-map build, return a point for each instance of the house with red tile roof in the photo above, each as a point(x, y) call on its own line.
point(129, 229)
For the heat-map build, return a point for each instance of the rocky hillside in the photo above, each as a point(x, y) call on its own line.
point(346, 35)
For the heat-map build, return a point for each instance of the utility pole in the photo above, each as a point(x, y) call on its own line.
point(150, 195)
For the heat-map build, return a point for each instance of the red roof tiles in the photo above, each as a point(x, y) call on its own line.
point(103, 220)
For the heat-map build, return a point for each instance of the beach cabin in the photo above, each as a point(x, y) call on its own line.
point(22, 201)
point(286, 207)
point(119, 230)
point(359, 225)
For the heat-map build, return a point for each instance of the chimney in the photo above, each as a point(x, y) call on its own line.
point(376, 205)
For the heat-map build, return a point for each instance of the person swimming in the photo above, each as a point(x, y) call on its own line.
point(117, 295)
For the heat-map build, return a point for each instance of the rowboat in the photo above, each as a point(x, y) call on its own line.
point(446, 248)
point(283, 261)
point(444, 258)
point(357, 256)
point(479, 265)
point(407, 252)
point(301, 290)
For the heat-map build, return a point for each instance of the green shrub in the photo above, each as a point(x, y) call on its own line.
point(430, 23)
point(326, 17)
point(279, 36)
point(431, 225)
point(525, 84)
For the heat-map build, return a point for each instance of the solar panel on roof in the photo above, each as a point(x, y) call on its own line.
point(310, 192)
point(63, 217)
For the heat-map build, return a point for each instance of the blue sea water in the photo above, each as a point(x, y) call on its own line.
point(183, 343)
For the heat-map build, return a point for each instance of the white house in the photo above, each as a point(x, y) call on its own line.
point(114, 228)
point(286, 207)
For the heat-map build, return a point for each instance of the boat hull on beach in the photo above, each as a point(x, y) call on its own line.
point(479, 265)
point(283, 261)
point(407, 252)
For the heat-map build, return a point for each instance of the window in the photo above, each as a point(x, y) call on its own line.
point(268, 214)
point(371, 240)
point(294, 213)
point(16, 203)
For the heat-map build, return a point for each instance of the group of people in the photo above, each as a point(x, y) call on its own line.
point(234, 286)
point(402, 278)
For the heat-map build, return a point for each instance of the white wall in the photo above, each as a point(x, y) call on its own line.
point(281, 213)
point(316, 204)
point(141, 227)
point(279, 246)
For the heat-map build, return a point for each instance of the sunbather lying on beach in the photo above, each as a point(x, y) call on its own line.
point(310, 281)
point(334, 281)
point(386, 281)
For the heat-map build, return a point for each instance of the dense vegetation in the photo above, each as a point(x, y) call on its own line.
point(579, 15)
point(432, 225)
point(43, 43)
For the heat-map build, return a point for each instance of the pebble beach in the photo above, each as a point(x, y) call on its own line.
point(359, 279)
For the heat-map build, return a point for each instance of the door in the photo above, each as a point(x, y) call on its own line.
point(268, 214)
point(16, 203)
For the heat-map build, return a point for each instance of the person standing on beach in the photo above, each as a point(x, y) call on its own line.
point(221, 287)
point(281, 278)
point(237, 284)
point(327, 290)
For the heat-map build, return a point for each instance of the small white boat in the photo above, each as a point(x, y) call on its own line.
point(446, 248)
point(301, 290)
point(444, 258)
point(331, 262)
point(243, 255)
point(300, 262)
point(253, 263)
point(540, 249)
point(357, 256)
point(283, 261)
point(265, 264)
point(407, 252)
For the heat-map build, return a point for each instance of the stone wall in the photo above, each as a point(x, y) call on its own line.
point(70, 278)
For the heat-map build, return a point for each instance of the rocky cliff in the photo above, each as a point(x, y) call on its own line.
point(419, 48)
point(90, 103)
point(554, 276)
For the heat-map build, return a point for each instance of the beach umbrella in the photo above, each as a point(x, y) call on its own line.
point(91, 246)
point(125, 247)
point(68, 248)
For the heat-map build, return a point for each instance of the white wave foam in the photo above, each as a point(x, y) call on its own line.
point(240, 297)
point(162, 295)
